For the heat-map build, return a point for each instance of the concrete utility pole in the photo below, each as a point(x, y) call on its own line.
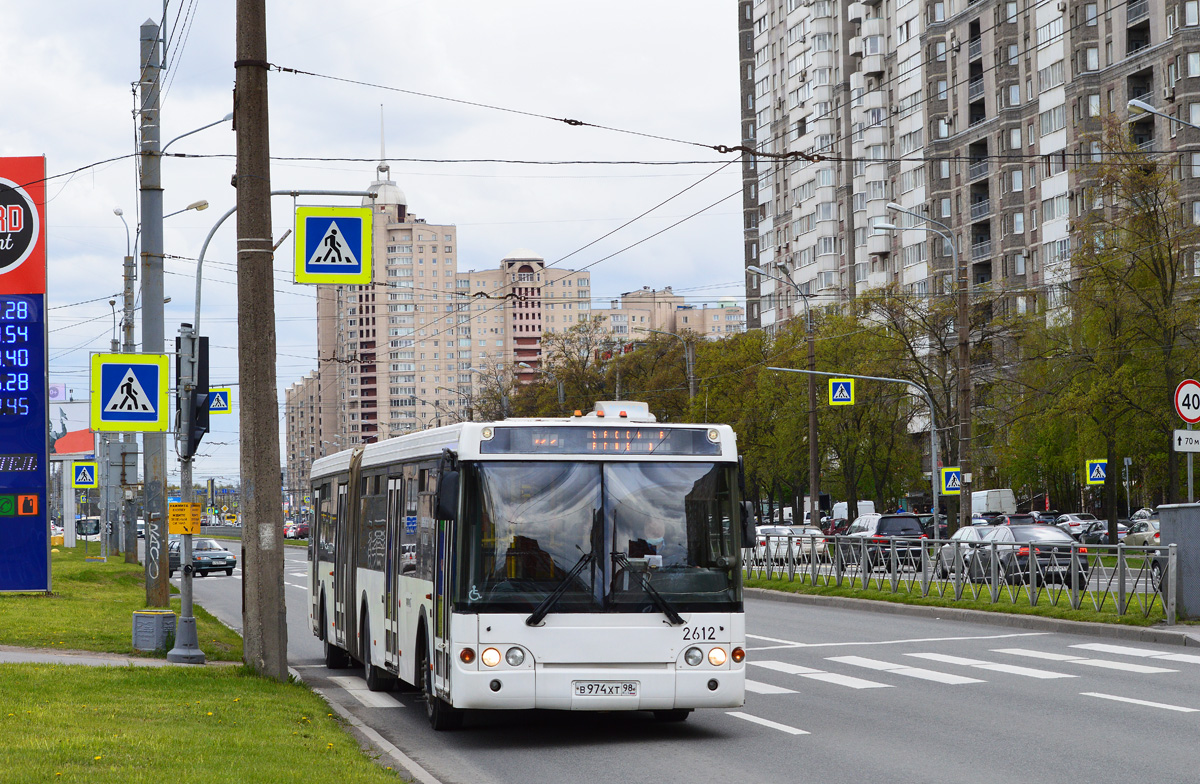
point(150, 188)
point(264, 612)
point(129, 454)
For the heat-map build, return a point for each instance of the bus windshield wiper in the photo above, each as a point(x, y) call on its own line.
point(539, 614)
point(622, 560)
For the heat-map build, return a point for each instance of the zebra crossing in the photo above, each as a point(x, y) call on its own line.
point(1037, 663)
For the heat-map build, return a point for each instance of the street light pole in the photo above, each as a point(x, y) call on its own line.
point(814, 479)
point(964, 362)
point(689, 358)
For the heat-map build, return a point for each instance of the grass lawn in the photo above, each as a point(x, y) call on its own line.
point(1106, 613)
point(91, 609)
point(166, 724)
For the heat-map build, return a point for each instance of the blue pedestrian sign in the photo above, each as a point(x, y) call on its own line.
point(841, 391)
point(83, 474)
point(952, 481)
point(333, 245)
point(1097, 471)
point(129, 393)
point(219, 400)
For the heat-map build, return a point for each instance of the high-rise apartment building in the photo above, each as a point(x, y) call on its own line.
point(978, 115)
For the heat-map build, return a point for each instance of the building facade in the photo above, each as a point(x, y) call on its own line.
point(978, 115)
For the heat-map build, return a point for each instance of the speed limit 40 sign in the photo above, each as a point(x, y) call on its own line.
point(1187, 401)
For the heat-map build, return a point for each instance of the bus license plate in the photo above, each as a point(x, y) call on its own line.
point(605, 688)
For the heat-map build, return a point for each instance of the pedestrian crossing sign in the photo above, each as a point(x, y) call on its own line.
point(220, 400)
point(1097, 470)
point(129, 393)
point(952, 481)
point(333, 245)
point(841, 391)
point(83, 474)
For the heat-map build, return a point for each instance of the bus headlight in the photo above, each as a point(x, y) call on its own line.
point(716, 657)
point(515, 657)
point(693, 656)
point(714, 435)
point(490, 657)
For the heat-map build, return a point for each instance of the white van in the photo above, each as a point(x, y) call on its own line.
point(1000, 501)
point(864, 508)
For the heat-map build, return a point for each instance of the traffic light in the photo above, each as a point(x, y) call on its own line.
point(192, 423)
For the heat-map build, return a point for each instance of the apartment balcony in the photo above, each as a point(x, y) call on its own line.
point(873, 63)
point(977, 169)
point(981, 250)
point(981, 209)
point(975, 49)
point(879, 243)
point(975, 90)
point(856, 46)
point(856, 11)
point(1137, 11)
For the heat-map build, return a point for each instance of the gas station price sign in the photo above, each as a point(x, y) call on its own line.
point(24, 386)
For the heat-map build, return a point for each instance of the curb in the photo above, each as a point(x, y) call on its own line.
point(1156, 634)
point(372, 741)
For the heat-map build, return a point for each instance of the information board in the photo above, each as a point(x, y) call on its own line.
point(24, 444)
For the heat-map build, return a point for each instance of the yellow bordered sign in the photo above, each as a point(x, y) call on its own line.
point(220, 400)
point(952, 481)
point(84, 474)
point(333, 245)
point(841, 391)
point(1096, 471)
point(129, 393)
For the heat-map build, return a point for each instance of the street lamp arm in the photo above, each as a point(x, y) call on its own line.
point(891, 205)
point(226, 118)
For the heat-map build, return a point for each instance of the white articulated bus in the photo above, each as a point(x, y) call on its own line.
point(582, 563)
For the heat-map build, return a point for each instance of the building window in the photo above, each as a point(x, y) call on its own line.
point(1091, 58)
point(1191, 13)
point(1018, 222)
point(1010, 11)
point(1089, 14)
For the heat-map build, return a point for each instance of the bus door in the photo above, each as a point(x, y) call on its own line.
point(442, 580)
point(391, 574)
point(341, 549)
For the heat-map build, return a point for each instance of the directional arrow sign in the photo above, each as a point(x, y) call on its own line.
point(1187, 440)
point(1096, 471)
point(129, 392)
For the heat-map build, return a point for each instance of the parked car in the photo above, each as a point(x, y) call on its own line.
point(1096, 532)
point(299, 531)
point(1144, 514)
point(1143, 533)
point(1073, 523)
point(880, 530)
point(1015, 519)
point(773, 541)
point(207, 556)
point(1050, 546)
point(141, 528)
point(835, 526)
point(1159, 570)
point(1045, 516)
point(965, 540)
point(943, 529)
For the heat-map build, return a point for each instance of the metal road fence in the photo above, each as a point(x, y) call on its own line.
point(1119, 579)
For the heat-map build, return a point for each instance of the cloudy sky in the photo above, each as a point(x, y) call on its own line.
point(664, 68)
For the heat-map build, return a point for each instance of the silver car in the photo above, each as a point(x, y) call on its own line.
point(965, 541)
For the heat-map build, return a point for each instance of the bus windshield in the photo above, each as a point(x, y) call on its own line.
point(605, 536)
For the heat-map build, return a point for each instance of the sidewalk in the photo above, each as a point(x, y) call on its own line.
point(12, 654)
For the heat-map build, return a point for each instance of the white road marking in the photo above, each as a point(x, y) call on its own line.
point(790, 669)
point(1122, 650)
point(1146, 703)
point(357, 688)
point(793, 644)
point(767, 723)
point(1102, 663)
point(766, 688)
point(293, 585)
point(821, 675)
point(1011, 669)
point(900, 669)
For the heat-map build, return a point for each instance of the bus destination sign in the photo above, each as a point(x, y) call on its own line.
point(626, 440)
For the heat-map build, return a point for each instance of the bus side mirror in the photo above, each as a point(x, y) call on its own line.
point(447, 496)
point(747, 523)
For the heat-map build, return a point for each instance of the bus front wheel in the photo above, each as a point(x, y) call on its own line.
point(441, 715)
point(677, 714)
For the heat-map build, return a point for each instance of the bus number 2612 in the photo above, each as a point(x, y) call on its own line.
point(695, 633)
